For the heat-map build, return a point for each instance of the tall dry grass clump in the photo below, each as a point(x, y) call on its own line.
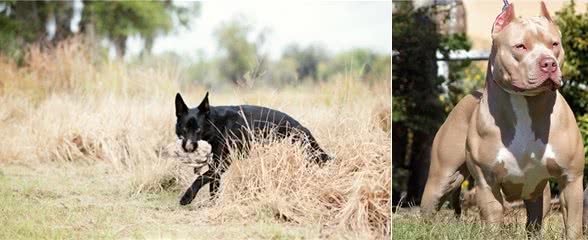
point(78, 66)
point(65, 105)
point(69, 103)
point(276, 182)
point(350, 195)
point(129, 134)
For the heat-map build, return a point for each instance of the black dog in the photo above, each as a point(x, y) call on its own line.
point(232, 126)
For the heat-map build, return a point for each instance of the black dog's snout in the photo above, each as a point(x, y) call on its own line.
point(189, 146)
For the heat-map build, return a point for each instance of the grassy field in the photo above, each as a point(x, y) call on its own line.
point(72, 201)
point(408, 224)
point(81, 156)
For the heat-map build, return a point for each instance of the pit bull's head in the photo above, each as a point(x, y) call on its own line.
point(528, 55)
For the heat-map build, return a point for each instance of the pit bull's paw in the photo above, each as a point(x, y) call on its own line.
point(187, 198)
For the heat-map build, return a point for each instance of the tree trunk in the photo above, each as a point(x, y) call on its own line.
point(419, 166)
point(148, 45)
point(62, 14)
point(398, 153)
point(120, 45)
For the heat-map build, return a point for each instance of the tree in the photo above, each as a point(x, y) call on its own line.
point(119, 20)
point(458, 82)
point(23, 23)
point(307, 59)
point(574, 31)
point(240, 55)
point(358, 62)
point(61, 14)
point(416, 109)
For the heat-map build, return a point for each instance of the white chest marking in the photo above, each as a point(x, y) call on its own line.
point(525, 159)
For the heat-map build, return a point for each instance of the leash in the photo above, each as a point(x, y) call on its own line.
point(505, 5)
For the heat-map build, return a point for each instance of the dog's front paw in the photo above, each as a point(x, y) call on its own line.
point(187, 198)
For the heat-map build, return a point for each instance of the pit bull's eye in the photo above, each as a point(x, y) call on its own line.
point(521, 47)
point(555, 44)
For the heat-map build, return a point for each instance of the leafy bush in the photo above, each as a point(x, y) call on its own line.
point(416, 109)
point(463, 77)
point(307, 59)
point(574, 30)
point(583, 124)
point(361, 63)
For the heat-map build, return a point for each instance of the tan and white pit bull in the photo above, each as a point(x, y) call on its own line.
point(518, 133)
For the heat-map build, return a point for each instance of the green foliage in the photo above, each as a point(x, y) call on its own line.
point(415, 85)
point(416, 109)
point(121, 19)
point(583, 125)
point(359, 63)
point(240, 55)
point(452, 42)
point(284, 72)
point(23, 23)
point(574, 30)
point(462, 78)
point(307, 59)
point(205, 73)
point(125, 18)
point(244, 66)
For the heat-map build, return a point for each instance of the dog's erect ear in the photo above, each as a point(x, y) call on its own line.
point(181, 108)
point(204, 106)
point(503, 19)
point(545, 12)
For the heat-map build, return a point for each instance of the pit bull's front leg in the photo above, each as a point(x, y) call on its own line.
point(535, 214)
point(572, 202)
point(585, 214)
point(488, 195)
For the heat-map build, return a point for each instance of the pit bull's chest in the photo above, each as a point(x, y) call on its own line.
point(523, 164)
point(523, 171)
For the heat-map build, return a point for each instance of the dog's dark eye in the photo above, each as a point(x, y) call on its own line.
point(555, 44)
point(521, 47)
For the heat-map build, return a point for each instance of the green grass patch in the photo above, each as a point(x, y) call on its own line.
point(408, 224)
point(90, 202)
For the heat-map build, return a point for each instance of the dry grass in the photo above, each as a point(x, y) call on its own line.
point(77, 67)
point(65, 108)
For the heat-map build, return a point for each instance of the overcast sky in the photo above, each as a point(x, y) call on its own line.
point(335, 25)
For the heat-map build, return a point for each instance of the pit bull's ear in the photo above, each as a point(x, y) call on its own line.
point(545, 12)
point(503, 19)
point(204, 106)
point(181, 107)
